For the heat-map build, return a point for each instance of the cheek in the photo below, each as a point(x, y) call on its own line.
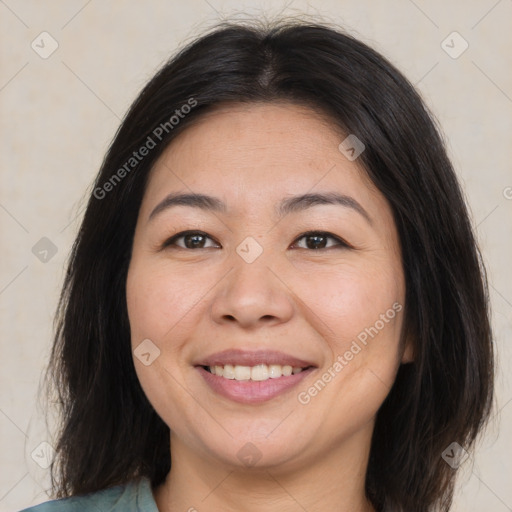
point(363, 313)
point(360, 312)
point(350, 300)
point(158, 300)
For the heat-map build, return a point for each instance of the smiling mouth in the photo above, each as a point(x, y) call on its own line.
point(260, 372)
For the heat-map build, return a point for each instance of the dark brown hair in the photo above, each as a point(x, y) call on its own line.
point(110, 433)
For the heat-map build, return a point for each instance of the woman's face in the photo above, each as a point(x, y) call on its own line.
point(248, 292)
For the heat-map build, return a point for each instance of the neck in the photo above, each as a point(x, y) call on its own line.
point(330, 481)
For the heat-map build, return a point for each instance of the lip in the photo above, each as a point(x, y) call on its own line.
point(249, 391)
point(252, 358)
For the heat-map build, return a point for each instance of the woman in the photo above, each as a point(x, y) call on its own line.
point(275, 300)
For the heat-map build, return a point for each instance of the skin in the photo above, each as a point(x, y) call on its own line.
point(311, 303)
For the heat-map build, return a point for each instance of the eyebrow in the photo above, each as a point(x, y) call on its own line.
point(285, 207)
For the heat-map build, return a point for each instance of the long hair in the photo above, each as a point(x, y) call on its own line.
point(109, 432)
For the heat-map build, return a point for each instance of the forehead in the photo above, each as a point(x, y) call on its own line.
point(256, 153)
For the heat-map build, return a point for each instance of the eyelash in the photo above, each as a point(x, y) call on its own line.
point(340, 242)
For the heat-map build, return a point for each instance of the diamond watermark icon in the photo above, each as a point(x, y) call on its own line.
point(454, 45)
point(146, 352)
point(249, 250)
point(454, 455)
point(44, 45)
point(43, 454)
point(351, 147)
point(249, 454)
point(44, 250)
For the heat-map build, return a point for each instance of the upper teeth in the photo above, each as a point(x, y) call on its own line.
point(258, 372)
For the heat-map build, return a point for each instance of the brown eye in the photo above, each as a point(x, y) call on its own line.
point(316, 240)
point(189, 240)
point(313, 240)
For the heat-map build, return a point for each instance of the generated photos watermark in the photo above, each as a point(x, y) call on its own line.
point(151, 142)
point(304, 397)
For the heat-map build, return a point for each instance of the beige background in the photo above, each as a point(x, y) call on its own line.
point(59, 114)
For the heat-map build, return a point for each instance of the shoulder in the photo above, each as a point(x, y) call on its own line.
point(133, 496)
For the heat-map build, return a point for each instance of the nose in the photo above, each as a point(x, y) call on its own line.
point(252, 295)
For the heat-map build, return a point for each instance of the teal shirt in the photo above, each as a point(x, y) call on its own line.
point(135, 496)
